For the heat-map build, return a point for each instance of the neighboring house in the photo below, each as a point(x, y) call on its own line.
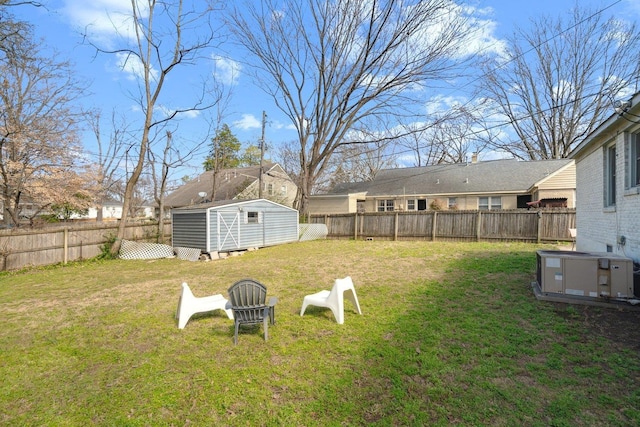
point(608, 184)
point(112, 210)
point(235, 184)
point(496, 184)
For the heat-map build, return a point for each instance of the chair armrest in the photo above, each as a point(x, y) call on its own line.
point(272, 309)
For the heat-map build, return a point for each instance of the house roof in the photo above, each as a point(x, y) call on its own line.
point(614, 120)
point(504, 176)
point(223, 203)
point(230, 182)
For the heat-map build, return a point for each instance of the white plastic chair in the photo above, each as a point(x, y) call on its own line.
point(189, 304)
point(573, 233)
point(334, 299)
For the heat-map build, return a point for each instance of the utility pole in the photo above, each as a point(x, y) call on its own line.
point(264, 122)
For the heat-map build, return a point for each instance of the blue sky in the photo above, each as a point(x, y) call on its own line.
point(59, 22)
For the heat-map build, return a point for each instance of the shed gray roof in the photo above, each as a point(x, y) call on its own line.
point(480, 177)
point(230, 182)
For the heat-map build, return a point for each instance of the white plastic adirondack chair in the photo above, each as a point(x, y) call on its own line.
point(573, 233)
point(189, 304)
point(334, 299)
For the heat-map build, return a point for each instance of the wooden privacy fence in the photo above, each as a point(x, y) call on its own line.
point(20, 248)
point(507, 225)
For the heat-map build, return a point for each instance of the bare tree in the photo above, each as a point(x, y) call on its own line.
point(161, 164)
point(360, 162)
point(558, 80)
point(455, 140)
point(287, 155)
point(329, 65)
point(108, 167)
point(166, 36)
point(39, 143)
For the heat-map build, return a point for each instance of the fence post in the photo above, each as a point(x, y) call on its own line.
point(395, 226)
point(539, 215)
point(433, 226)
point(65, 245)
point(355, 226)
point(478, 225)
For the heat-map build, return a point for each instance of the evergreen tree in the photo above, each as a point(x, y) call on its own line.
point(224, 151)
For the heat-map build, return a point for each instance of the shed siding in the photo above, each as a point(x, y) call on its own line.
point(280, 226)
point(189, 230)
point(227, 229)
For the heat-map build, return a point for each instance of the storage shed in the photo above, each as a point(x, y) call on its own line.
point(233, 225)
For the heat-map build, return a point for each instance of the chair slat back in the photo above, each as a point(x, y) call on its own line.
point(247, 293)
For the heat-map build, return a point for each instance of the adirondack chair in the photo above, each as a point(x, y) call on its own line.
point(247, 300)
point(573, 233)
point(334, 299)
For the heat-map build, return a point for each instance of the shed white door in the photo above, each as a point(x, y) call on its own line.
point(228, 230)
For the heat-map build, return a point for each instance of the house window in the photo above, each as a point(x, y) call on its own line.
point(283, 190)
point(487, 203)
point(453, 203)
point(610, 176)
point(483, 203)
point(270, 189)
point(411, 205)
point(496, 202)
point(385, 205)
point(632, 152)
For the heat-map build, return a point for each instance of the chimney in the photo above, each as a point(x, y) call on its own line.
point(474, 158)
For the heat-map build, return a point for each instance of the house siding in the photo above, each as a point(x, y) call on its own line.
point(564, 179)
point(464, 202)
point(560, 185)
point(599, 226)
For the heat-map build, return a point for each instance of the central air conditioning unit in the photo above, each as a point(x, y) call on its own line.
point(588, 274)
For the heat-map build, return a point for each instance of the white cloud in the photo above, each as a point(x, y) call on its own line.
point(226, 70)
point(440, 103)
point(103, 20)
point(190, 114)
point(248, 121)
point(277, 125)
point(166, 112)
point(133, 67)
point(480, 33)
point(494, 155)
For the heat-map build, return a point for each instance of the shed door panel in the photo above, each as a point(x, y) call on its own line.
point(228, 230)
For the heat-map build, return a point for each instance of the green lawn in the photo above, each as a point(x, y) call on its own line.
point(451, 334)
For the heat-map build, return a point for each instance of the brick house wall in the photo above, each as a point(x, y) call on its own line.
point(601, 227)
